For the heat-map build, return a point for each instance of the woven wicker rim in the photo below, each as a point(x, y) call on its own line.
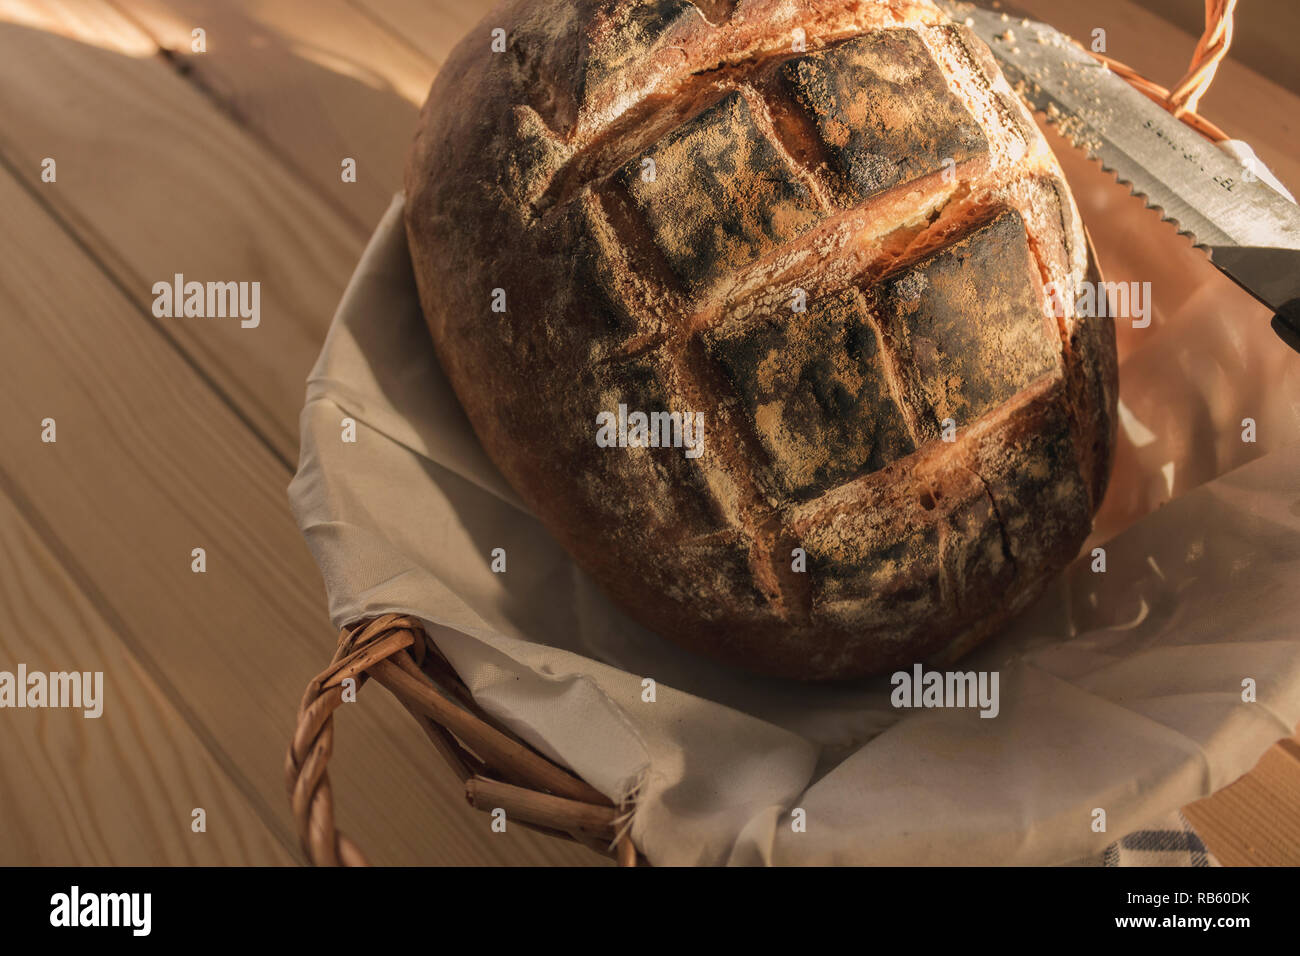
point(497, 769)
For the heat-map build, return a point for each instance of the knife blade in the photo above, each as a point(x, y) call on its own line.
point(1250, 232)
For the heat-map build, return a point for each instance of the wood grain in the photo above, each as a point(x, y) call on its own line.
point(118, 789)
point(153, 180)
point(1255, 821)
point(314, 86)
point(149, 464)
point(432, 26)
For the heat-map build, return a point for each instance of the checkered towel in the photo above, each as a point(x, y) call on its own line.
point(1171, 842)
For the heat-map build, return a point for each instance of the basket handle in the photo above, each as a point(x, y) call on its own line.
point(498, 770)
point(1183, 99)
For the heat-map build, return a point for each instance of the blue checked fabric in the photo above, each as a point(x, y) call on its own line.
point(1171, 842)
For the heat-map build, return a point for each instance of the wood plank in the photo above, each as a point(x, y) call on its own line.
point(149, 464)
point(433, 26)
point(118, 789)
point(1255, 821)
point(315, 84)
point(155, 180)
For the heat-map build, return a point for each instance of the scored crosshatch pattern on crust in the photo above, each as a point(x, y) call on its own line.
point(867, 373)
point(656, 220)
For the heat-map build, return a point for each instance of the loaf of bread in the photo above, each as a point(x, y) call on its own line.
point(748, 299)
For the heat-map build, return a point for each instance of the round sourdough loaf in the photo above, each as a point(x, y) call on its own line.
point(827, 232)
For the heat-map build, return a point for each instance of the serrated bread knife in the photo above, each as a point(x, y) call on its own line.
point(1250, 231)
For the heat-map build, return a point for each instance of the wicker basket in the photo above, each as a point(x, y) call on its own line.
point(497, 769)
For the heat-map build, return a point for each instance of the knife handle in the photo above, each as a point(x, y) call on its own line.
point(1288, 328)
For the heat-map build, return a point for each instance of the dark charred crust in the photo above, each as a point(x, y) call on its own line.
point(883, 112)
point(720, 196)
point(816, 391)
point(967, 324)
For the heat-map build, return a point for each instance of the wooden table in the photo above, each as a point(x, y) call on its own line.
point(173, 436)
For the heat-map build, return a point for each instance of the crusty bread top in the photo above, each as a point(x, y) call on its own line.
point(888, 172)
